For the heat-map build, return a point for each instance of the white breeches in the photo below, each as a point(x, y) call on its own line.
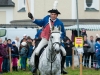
point(63, 50)
point(42, 43)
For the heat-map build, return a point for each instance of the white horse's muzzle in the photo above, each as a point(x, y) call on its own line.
point(56, 47)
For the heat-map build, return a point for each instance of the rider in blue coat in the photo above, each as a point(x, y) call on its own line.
point(97, 50)
point(45, 34)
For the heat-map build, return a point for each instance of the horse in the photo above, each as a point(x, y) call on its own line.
point(50, 59)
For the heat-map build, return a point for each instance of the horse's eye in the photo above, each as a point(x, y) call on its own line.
point(51, 36)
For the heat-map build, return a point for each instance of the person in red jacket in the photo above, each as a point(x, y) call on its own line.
point(2, 55)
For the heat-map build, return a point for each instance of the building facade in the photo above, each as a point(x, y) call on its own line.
point(17, 9)
point(16, 12)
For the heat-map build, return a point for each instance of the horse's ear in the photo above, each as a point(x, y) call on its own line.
point(52, 27)
point(59, 28)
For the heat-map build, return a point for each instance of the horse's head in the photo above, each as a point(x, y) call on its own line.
point(55, 38)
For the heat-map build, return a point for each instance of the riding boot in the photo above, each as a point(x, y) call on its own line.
point(33, 69)
point(62, 65)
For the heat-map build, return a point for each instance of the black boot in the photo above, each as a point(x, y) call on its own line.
point(62, 65)
point(33, 69)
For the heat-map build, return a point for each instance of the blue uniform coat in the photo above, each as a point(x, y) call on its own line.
point(57, 23)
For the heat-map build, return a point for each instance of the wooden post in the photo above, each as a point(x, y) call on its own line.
point(80, 64)
point(28, 6)
point(10, 59)
point(72, 59)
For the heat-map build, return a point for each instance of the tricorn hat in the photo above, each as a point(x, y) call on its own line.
point(54, 10)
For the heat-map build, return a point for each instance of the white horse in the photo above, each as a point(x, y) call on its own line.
point(50, 59)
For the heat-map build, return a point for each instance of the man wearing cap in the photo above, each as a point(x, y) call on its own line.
point(45, 34)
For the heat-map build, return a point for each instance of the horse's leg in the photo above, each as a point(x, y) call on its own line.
point(58, 73)
point(42, 73)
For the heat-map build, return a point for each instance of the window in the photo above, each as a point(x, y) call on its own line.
point(2, 32)
point(91, 5)
point(21, 6)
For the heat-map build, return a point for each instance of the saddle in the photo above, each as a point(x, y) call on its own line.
point(41, 51)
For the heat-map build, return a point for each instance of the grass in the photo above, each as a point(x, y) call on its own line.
point(86, 71)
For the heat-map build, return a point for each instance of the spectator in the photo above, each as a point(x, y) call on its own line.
point(9, 45)
point(2, 55)
point(97, 36)
point(17, 41)
point(68, 47)
point(91, 50)
point(23, 55)
point(83, 32)
point(15, 56)
point(24, 38)
point(97, 51)
point(29, 44)
point(86, 47)
point(31, 49)
point(5, 59)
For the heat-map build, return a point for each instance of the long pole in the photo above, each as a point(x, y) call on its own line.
point(28, 5)
point(77, 17)
point(10, 59)
point(81, 64)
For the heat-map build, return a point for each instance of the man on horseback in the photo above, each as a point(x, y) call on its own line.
point(45, 34)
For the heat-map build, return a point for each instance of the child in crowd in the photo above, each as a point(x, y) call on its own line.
point(23, 55)
point(15, 56)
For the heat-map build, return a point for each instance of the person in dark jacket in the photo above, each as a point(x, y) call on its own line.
point(15, 56)
point(68, 47)
point(97, 36)
point(83, 32)
point(86, 47)
point(5, 59)
point(31, 49)
point(91, 50)
point(24, 38)
point(8, 45)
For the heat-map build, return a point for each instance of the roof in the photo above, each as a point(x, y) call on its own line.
point(6, 3)
point(18, 26)
point(94, 27)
